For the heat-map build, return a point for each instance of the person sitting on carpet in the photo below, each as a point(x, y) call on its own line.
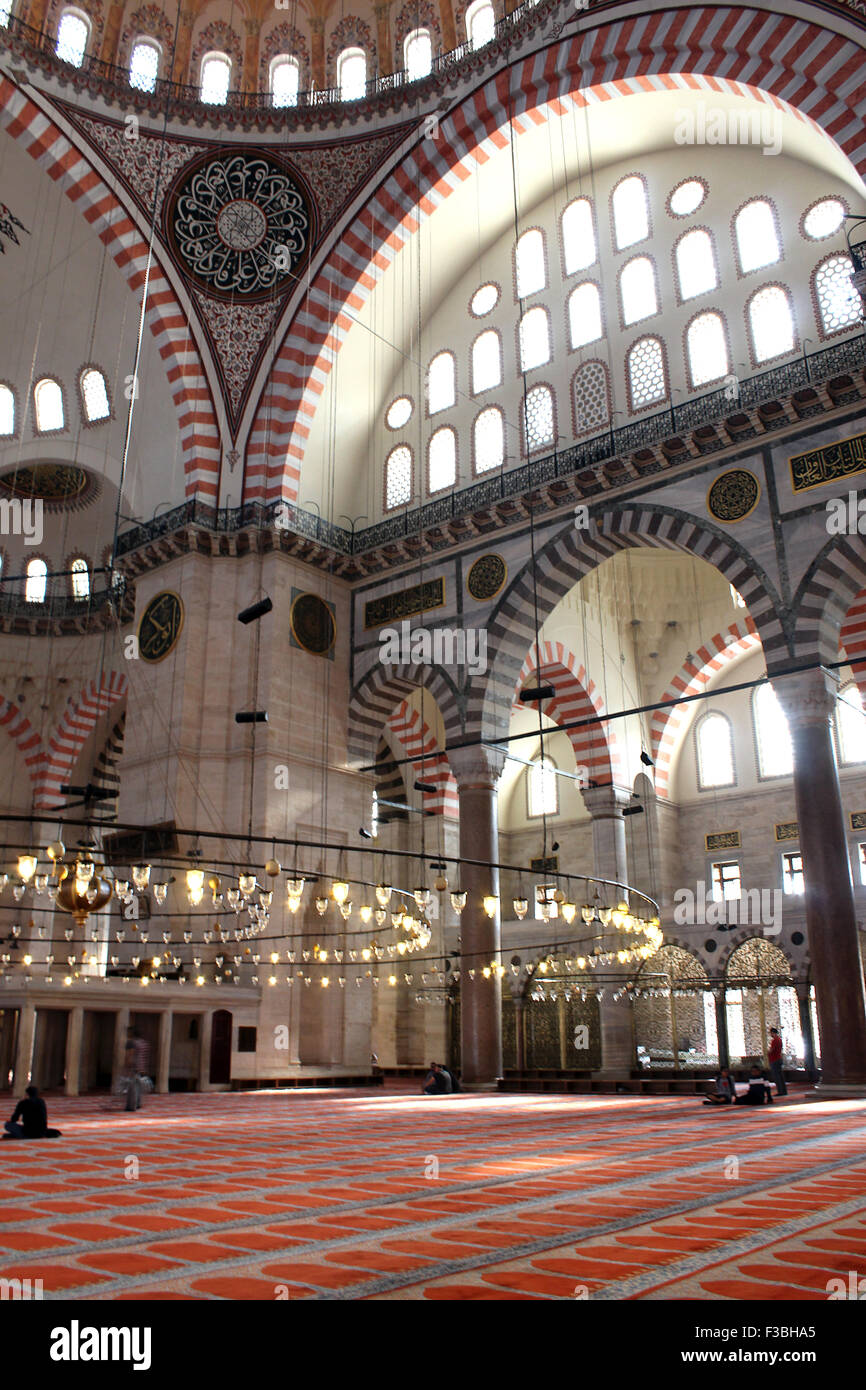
point(759, 1092)
point(437, 1082)
point(725, 1092)
point(34, 1119)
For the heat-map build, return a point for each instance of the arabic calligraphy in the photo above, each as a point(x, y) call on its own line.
point(827, 464)
point(160, 626)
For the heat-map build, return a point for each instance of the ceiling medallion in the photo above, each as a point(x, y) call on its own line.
point(240, 224)
point(733, 495)
point(58, 485)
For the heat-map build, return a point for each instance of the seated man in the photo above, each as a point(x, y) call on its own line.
point(759, 1092)
point(725, 1091)
point(437, 1082)
point(34, 1119)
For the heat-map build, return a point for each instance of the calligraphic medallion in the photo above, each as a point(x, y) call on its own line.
point(55, 484)
point(733, 495)
point(160, 627)
point(312, 624)
point(486, 576)
point(240, 223)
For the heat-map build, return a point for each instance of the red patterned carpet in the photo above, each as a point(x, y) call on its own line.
point(334, 1195)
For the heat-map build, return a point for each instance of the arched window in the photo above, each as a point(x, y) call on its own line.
point(5, 12)
point(94, 395)
point(630, 212)
point(480, 23)
point(839, 303)
point(696, 264)
point(584, 314)
point(578, 236)
point(851, 725)
point(542, 789)
point(591, 398)
point(7, 411)
point(637, 288)
point(534, 339)
point(488, 440)
point(216, 71)
point(441, 386)
point(715, 752)
point(398, 477)
point(48, 401)
point(352, 74)
point(773, 740)
point(73, 31)
point(823, 219)
point(442, 460)
point(36, 582)
point(486, 361)
point(771, 322)
point(80, 577)
point(285, 77)
point(538, 424)
point(756, 236)
point(418, 54)
point(144, 64)
point(707, 349)
point(530, 269)
point(646, 373)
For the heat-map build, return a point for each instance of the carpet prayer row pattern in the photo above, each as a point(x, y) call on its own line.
point(389, 1195)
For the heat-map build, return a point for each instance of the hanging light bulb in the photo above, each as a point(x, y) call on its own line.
point(339, 891)
point(27, 866)
point(56, 850)
point(422, 897)
point(345, 911)
point(121, 886)
point(569, 912)
point(490, 904)
point(141, 875)
point(521, 907)
point(458, 900)
point(294, 887)
point(40, 882)
point(321, 905)
point(293, 902)
point(381, 916)
point(160, 892)
point(365, 913)
point(247, 883)
point(383, 894)
point(85, 869)
point(195, 885)
point(266, 899)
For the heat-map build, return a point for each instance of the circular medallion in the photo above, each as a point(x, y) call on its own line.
point(312, 623)
point(240, 223)
point(733, 495)
point(56, 484)
point(160, 626)
point(486, 577)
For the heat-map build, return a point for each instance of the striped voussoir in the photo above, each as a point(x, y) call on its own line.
point(105, 776)
point(570, 555)
point(73, 172)
point(373, 699)
point(390, 786)
point(693, 677)
point(852, 639)
point(66, 743)
point(788, 64)
point(430, 763)
point(595, 745)
point(22, 733)
point(824, 600)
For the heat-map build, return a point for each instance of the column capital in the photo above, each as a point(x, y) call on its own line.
point(316, 23)
point(252, 26)
point(807, 697)
point(381, 10)
point(478, 766)
point(187, 18)
point(604, 803)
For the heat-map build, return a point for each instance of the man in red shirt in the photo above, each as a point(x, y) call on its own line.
point(774, 1057)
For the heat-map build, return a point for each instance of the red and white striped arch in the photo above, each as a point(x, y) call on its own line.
point(852, 640)
point(693, 677)
point(72, 171)
point(812, 72)
point(64, 747)
point(418, 743)
point(595, 745)
point(22, 732)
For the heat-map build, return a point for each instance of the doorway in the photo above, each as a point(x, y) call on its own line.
point(221, 1049)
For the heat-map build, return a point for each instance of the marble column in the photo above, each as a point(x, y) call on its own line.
point(163, 1051)
point(317, 52)
point(249, 76)
point(804, 1001)
point(121, 1032)
point(721, 998)
point(74, 1033)
point(808, 699)
point(605, 805)
point(383, 38)
point(204, 1042)
point(477, 771)
point(24, 1048)
point(520, 1031)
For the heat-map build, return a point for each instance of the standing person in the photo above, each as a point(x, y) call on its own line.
point(33, 1116)
point(774, 1057)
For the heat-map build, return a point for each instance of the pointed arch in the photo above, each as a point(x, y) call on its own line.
point(807, 68)
point(418, 743)
point(22, 733)
point(693, 677)
point(825, 596)
point(74, 728)
point(374, 697)
point(595, 745)
point(852, 639)
point(73, 172)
